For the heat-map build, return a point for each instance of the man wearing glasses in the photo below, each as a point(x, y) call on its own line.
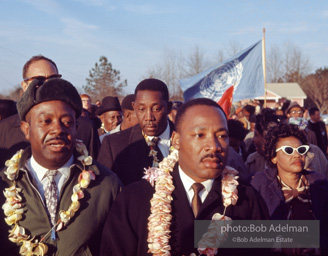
point(12, 138)
point(38, 67)
point(315, 159)
point(295, 111)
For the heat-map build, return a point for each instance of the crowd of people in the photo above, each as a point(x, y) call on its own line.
point(131, 177)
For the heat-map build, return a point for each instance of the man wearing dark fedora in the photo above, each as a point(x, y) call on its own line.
point(110, 114)
point(128, 152)
point(56, 197)
point(129, 116)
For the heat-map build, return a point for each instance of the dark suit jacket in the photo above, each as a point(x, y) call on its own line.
point(125, 232)
point(13, 139)
point(126, 153)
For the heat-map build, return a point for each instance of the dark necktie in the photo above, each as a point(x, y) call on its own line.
point(50, 195)
point(196, 201)
point(159, 153)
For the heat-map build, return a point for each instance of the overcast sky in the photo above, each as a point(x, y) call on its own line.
point(133, 35)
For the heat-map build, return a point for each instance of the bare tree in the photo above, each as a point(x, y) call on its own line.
point(169, 70)
point(274, 65)
point(287, 65)
point(195, 63)
point(174, 66)
point(295, 62)
point(233, 48)
point(220, 57)
point(316, 88)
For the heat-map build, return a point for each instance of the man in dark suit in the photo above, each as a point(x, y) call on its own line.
point(128, 152)
point(12, 138)
point(319, 128)
point(202, 141)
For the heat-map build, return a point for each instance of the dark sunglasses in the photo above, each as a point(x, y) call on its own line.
point(43, 78)
point(290, 150)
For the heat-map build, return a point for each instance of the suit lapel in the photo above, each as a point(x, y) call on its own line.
point(183, 218)
point(180, 195)
point(213, 202)
point(139, 149)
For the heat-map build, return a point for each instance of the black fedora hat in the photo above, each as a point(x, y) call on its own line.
point(109, 103)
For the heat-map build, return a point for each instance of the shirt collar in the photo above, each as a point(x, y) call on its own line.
point(39, 171)
point(165, 135)
point(187, 181)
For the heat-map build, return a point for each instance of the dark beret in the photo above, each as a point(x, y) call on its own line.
point(109, 103)
point(127, 102)
point(53, 89)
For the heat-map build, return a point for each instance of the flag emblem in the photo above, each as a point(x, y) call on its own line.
point(216, 83)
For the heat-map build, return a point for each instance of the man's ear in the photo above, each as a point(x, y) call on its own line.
point(133, 105)
point(25, 127)
point(128, 115)
point(102, 118)
point(176, 140)
point(24, 85)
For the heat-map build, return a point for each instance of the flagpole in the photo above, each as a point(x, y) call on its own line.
point(264, 70)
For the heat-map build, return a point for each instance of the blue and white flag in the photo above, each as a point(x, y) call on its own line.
point(244, 71)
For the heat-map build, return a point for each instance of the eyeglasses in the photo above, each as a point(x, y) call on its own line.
point(42, 77)
point(290, 150)
point(297, 112)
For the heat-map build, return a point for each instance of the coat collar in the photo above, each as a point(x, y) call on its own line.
point(27, 153)
point(136, 132)
point(312, 176)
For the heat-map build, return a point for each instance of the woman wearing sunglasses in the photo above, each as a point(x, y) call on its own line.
point(290, 192)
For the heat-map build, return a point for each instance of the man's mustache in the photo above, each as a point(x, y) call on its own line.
point(57, 139)
point(212, 156)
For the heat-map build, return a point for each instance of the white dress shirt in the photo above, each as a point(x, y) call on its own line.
point(187, 183)
point(38, 172)
point(165, 141)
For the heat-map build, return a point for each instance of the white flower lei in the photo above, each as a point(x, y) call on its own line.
point(14, 211)
point(159, 221)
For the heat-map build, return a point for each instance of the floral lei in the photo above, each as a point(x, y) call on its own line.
point(152, 152)
point(14, 211)
point(159, 221)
